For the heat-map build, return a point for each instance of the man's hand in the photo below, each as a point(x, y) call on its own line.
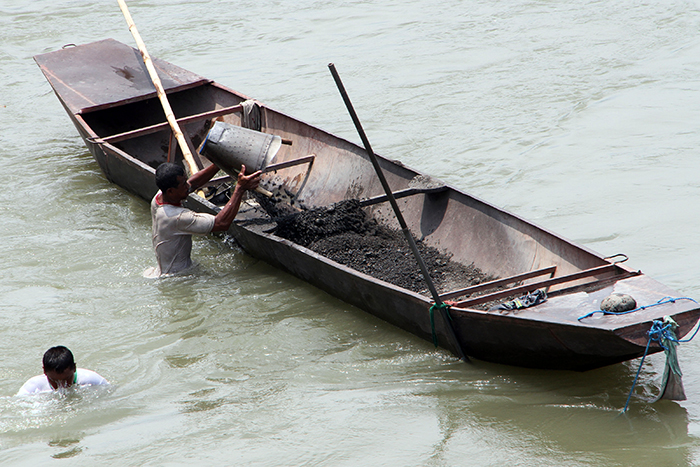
point(248, 182)
point(225, 217)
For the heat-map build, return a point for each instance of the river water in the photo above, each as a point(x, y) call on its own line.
point(580, 116)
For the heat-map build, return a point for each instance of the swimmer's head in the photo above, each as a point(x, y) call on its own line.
point(59, 367)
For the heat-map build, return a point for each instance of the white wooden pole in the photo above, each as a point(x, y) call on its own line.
point(189, 159)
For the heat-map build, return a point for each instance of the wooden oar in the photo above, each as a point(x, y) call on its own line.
point(189, 159)
point(392, 200)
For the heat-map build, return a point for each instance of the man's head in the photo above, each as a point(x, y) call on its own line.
point(172, 181)
point(167, 176)
point(59, 367)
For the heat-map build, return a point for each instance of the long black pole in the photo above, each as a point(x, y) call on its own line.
point(397, 212)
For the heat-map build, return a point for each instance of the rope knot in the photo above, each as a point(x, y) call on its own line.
point(433, 308)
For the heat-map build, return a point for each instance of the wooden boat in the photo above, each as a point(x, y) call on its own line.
point(107, 93)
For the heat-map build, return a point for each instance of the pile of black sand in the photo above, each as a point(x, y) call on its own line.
point(280, 204)
point(345, 234)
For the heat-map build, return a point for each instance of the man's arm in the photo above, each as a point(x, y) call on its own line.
point(245, 182)
point(202, 177)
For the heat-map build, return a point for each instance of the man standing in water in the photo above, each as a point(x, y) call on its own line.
point(174, 225)
point(60, 372)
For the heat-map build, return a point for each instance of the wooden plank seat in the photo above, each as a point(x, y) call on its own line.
point(498, 283)
point(606, 269)
point(165, 126)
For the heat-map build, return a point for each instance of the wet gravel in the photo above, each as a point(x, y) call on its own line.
point(345, 234)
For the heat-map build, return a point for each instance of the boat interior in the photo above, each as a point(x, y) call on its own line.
point(320, 169)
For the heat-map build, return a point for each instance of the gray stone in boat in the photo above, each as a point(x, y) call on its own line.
point(618, 303)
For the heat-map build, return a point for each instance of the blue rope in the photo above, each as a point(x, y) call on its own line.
point(691, 337)
point(662, 301)
point(636, 377)
point(658, 332)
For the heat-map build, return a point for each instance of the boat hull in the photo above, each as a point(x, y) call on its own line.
point(124, 133)
point(508, 339)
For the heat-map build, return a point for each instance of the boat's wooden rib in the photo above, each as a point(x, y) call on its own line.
point(513, 291)
point(285, 165)
point(173, 146)
point(401, 194)
point(498, 283)
point(84, 129)
point(106, 91)
point(218, 181)
point(165, 126)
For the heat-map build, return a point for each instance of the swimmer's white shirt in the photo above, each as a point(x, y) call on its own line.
point(40, 383)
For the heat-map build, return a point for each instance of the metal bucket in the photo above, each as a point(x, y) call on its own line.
point(230, 146)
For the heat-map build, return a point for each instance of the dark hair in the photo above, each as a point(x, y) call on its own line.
point(58, 359)
point(166, 175)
